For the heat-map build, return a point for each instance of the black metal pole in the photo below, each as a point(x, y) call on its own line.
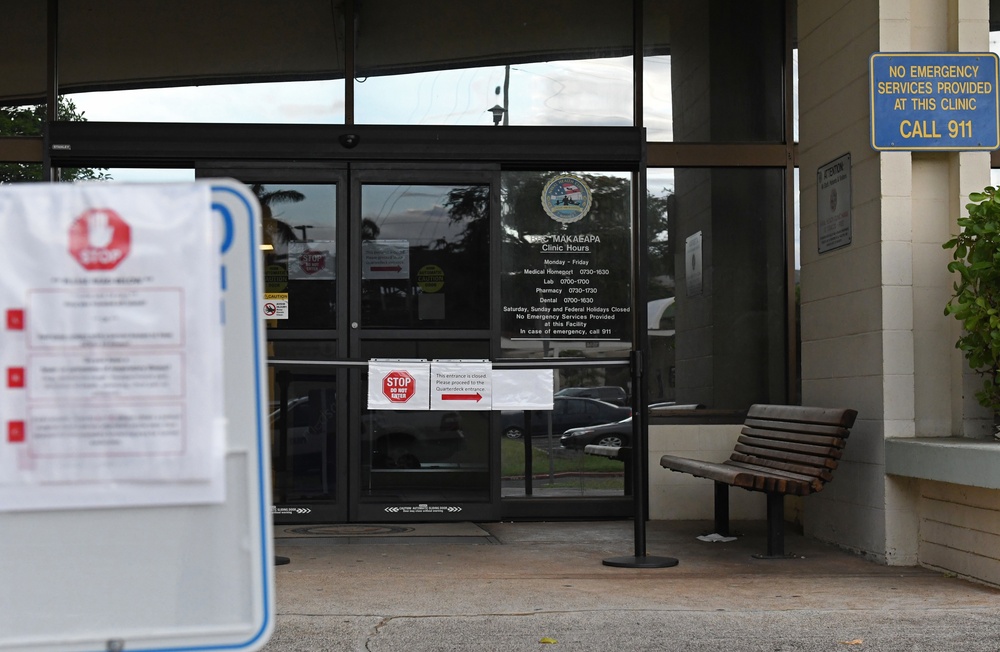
point(639, 444)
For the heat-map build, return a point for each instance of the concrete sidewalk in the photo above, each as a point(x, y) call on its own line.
point(542, 586)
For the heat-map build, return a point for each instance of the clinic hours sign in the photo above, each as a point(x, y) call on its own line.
point(567, 275)
point(945, 101)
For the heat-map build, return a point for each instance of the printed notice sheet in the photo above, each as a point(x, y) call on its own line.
point(110, 346)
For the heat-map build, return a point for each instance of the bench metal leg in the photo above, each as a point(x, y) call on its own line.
point(722, 508)
point(776, 528)
point(775, 525)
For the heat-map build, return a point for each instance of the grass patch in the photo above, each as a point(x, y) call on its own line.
point(512, 461)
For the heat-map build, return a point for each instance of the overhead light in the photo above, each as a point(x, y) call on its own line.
point(267, 247)
point(497, 112)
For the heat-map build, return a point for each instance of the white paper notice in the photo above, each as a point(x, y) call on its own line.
point(523, 389)
point(461, 385)
point(110, 345)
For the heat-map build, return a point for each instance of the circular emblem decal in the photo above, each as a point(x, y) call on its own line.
point(566, 198)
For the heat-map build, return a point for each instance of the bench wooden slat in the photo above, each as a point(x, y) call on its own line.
point(805, 438)
point(803, 414)
point(790, 446)
point(786, 457)
point(798, 469)
point(726, 473)
point(767, 471)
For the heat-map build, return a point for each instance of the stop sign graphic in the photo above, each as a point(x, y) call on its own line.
point(398, 386)
point(99, 239)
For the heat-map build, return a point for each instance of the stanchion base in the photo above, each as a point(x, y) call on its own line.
point(640, 562)
point(784, 556)
point(280, 561)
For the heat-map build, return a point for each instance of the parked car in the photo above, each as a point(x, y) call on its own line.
point(567, 412)
point(607, 393)
point(608, 434)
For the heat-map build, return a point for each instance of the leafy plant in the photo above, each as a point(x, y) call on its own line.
point(30, 121)
point(976, 298)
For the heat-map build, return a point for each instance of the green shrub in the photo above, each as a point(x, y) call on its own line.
point(976, 298)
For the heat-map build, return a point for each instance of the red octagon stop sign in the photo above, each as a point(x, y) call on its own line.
point(398, 386)
point(99, 239)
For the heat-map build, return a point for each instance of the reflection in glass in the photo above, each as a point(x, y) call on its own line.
point(312, 102)
point(542, 451)
point(716, 290)
point(713, 71)
point(556, 63)
point(422, 455)
point(425, 256)
point(591, 93)
point(303, 424)
point(299, 254)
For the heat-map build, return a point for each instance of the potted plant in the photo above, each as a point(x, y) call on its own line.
point(976, 298)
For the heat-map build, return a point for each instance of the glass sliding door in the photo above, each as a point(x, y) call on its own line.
point(423, 268)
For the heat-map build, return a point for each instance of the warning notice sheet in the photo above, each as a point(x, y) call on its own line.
point(110, 346)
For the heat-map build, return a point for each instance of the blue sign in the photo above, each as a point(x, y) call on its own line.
point(943, 102)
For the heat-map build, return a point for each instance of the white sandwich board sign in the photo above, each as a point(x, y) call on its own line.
point(134, 477)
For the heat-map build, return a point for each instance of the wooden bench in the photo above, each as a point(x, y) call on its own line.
point(782, 449)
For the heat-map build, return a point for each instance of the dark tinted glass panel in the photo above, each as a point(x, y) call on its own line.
point(566, 264)
point(303, 436)
point(713, 70)
point(717, 295)
point(300, 254)
point(424, 455)
point(280, 61)
point(562, 62)
point(425, 256)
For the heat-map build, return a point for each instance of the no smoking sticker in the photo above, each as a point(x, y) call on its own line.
point(275, 305)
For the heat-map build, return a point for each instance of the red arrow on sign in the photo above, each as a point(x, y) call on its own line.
point(389, 268)
point(462, 397)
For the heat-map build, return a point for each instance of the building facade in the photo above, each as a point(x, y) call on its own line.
point(403, 154)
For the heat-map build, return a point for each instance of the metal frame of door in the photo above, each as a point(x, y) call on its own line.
point(350, 334)
point(326, 154)
point(364, 509)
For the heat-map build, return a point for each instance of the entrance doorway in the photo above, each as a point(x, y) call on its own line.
point(362, 263)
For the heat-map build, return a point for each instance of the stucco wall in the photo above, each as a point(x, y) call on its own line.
point(960, 530)
point(844, 304)
point(873, 333)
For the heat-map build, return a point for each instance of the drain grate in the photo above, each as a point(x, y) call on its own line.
point(348, 530)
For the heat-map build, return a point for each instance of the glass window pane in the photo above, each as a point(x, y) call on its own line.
point(591, 406)
point(713, 71)
point(303, 419)
point(421, 455)
point(717, 296)
point(425, 256)
point(315, 102)
point(566, 264)
point(299, 254)
point(553, 63)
